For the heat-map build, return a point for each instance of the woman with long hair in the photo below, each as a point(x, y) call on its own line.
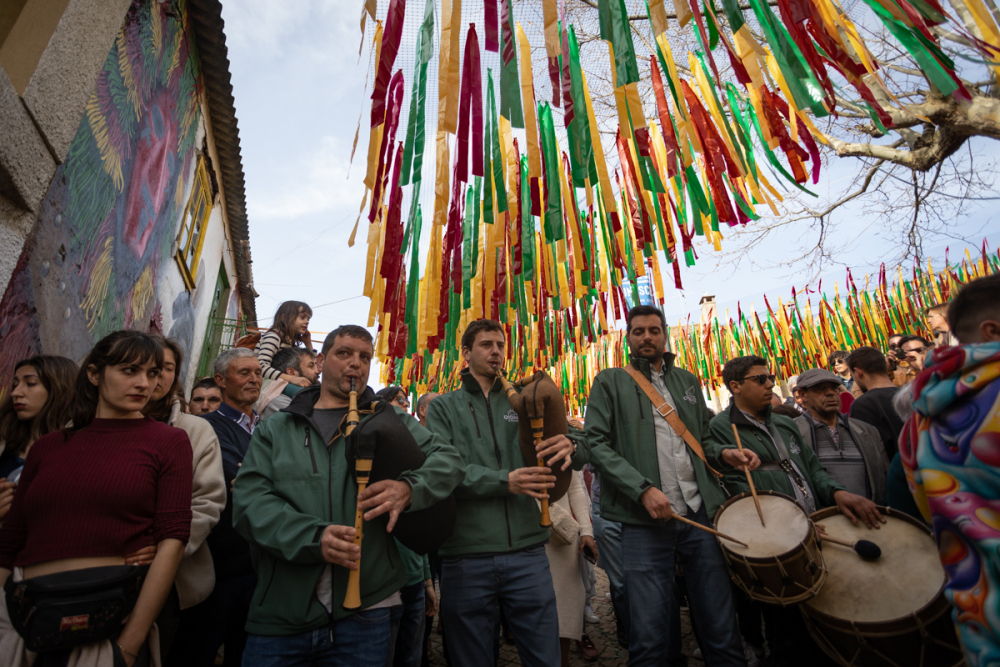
point(196, 573)
point(39, 403)
point(113, 482)
point(290, 328)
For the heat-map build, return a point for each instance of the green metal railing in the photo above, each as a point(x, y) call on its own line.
point(221, 334)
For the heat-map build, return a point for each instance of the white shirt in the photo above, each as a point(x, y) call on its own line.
point(677, 477)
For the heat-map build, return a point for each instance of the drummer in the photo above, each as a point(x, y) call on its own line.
point(776, 440)
point(649, 472)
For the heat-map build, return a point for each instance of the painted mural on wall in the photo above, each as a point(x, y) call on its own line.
point(102, 241)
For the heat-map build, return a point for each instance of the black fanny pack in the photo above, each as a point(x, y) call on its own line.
point(67, 609)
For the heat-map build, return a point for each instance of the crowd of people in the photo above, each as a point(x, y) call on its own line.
point(144, 527)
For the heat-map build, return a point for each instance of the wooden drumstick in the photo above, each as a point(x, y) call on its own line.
point(746, 469)
point(697, 525)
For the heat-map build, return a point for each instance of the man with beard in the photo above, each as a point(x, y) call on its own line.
point(652, 466)
point(495, 557)
point(295, 498)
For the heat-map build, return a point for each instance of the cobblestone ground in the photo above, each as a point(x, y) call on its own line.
point(602, 634)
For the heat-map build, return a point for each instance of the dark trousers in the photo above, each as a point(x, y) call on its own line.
point(220, 619)
point(789, 641)
point(650, 554)
point(474, 588)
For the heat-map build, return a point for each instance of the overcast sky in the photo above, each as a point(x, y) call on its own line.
point(298, 88)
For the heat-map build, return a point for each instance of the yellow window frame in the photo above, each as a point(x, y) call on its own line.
point(192, 233)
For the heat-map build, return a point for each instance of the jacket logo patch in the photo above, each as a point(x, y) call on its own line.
point(511, 416)
point(80, 622)
point(689, 396)
point(795, 449)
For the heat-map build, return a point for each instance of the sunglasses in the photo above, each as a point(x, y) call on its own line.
point(761, 379)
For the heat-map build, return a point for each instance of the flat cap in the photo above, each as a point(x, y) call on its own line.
point(815, 376)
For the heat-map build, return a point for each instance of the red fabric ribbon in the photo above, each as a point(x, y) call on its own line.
point(566, 79)
point(554, 78)
point(666, 126)
point(470, 110)
point(387, 57)
point(492, 31)
point(395, 96)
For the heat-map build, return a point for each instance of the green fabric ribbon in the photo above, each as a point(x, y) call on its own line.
point(470, 217)
point(527, 227)
point(494, 135)
point(580, 148)
point(615, 28)
point(553, 210)
point(487, 168)
point(510, 87)
point(927, 55)
point(805, 89)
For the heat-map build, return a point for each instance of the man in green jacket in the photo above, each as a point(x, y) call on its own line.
point(295, 499)
point(773, 439)
point(496, 554)
point(648, 473)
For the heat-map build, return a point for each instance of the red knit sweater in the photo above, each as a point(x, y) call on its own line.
point(112, 488)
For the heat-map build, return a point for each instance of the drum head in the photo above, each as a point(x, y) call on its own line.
point(905, 579)
point(787, 526)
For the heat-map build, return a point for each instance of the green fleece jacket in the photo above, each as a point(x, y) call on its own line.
point(291, 486)
point(490, 518)
point(753, 437)
point(621, 439)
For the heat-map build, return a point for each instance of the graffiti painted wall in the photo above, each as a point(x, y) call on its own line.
point(100, 255)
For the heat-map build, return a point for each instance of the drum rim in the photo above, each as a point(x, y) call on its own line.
point(873, 626)
point(765, 559)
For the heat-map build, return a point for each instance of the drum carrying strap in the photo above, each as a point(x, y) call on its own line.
point(670, 415)
point(801, 488)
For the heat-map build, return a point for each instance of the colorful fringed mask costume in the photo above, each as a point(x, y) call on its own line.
point(950, 449)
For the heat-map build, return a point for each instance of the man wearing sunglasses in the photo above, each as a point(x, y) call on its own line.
point(788, 467)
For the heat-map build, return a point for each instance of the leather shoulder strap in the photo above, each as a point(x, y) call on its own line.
point(670, 415)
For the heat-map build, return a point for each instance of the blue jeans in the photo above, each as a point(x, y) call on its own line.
point(648, 555)
point(410, 637)
point(608, 535)
point(473, 588)
point(360, 640)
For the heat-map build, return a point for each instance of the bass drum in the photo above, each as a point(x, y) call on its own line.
point(889, 612)
point(782, 563)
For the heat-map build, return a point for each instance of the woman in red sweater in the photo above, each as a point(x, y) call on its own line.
point(114, 482)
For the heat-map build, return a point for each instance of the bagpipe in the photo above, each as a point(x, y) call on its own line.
point(541, 414)
point(383, 448)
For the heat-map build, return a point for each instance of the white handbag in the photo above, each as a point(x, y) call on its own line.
point(564, 529)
